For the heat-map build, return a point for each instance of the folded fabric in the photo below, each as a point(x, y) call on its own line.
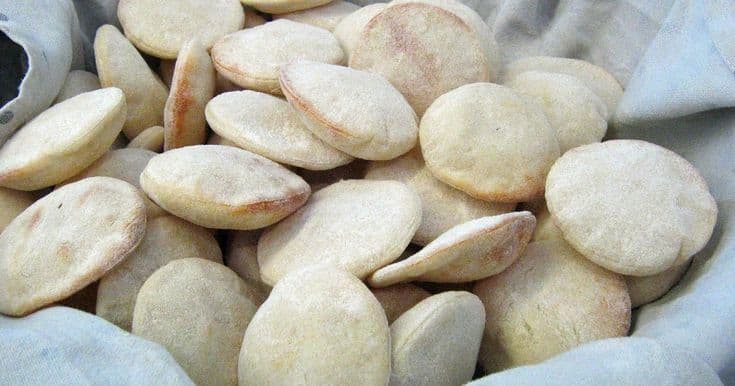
point(64, 346)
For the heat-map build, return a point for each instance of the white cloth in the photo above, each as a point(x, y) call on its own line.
point(676, 60)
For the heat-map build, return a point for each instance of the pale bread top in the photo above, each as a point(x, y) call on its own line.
point(120, 65)
point(161, 27)
point(357, 112)
point(490, 142)
point(454, 54)
point(223, 187)
point(549, 301)
point(596, 78)
point(148, 139)
point(449, 326)
point(269, 126)
point(319, 326)
point(631, 206)
point(442, 205)
point(471, 251)
point(77, 82)
point(358, 225)
point(251, 58)
point(63, 140)
point(576, 113)
point(198, 310)
point(67, 240)
point(192, 86)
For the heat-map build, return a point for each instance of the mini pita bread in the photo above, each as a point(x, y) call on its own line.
point(631, 206)
point(198, 310)
point(647, 289)
point(436, 342)
point(357, 112)
point(67, 240)
point(442, 45)
point(63, 140)
point(577, 114)
point(350, 28)
point(550, 301)
point(223, 187)
point(120, 65)
point(490, 142)
point(468, 252)
point(251, 58)
point(192, 87)
point(269, 126)
point(319, 326)
point(596, 78)
point(357, 225)
point(161, 27)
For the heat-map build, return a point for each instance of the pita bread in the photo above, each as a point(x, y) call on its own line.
point(326, 16)
point(319, 326)
point(223, 187)
point(192, 87)
point(120, 65)
point(630, 206)
point(283, 6)
point(251, 58)
point(357, 112)
point(349, 29)
point(67, 240)
point(77, 82)
point(161, 27)
point(149, 139)
point(63, 140)
point(357, 225)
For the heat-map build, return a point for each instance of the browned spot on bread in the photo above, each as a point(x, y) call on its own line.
point(35, 219)
point(183, 100)
point(64, 252)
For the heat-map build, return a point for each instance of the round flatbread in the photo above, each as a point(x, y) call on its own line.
point(120, 65)
point(357, 112)
point(269, 126)
point(77, 82)
point(192, 86)
point(162, 27)
point(350, 28)
point(545, 227)
point(251, 58)
point(596, 78)
point(319, 326)
point(326, 16)
point(198, 310)
point(63, 140)
point(149, 139)
point(372, 222)
point(550, 301)
point(436, 342)
point(223, 187)
point(399, 298)
point(443, 207)
point(126, 165)
point(67, 240)
point(646, 289)
point(468, 252)
point(283, 6)
point(489, 142)
point(440, 46)
point(13, 203)
point(631, 206)
point(167, 238)
point(576, 113)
